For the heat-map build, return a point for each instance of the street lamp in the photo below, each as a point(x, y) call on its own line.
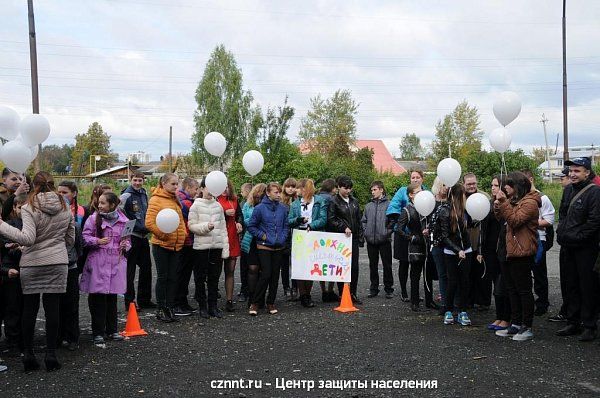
point(96, 159)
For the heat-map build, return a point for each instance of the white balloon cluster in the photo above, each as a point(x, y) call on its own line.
point(506, 109)
point(216, 181)
point(21, 148)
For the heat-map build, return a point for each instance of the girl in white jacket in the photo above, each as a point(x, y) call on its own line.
point(206, 221)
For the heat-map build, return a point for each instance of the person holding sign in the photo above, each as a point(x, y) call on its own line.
point(269, 226)
point(105, 271)
point(308, 212)
point(343, 216)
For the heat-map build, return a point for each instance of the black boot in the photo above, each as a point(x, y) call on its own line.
point(215, 312)
point(163, 315)
point(51, 361)
point(30, 362)
point(172, 315)
point(202, 311)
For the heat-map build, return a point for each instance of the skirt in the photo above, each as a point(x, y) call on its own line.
point(44, 278)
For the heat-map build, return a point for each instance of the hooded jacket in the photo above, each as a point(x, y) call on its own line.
point(521, 224)
point(205, 211)
point(135, 205)
point(105, 269)
point(269, 224)
point(374, 221)
point(46, 233)
point(160, 200)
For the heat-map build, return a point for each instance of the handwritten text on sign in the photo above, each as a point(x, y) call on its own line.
point(321, 256)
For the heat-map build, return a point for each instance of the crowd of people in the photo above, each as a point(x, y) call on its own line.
point(53, 249)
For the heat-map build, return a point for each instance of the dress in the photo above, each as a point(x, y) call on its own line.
point(234, 240)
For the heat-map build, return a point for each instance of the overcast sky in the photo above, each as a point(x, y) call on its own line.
point(134, 65)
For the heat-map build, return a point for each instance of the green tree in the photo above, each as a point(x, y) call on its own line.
point(88, 145)
point(458, 135)
point(539, 155)
point(223, 106)
point(330, 126)
point(57, 158)
point(410, 147)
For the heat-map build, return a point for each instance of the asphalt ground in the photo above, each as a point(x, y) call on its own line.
point(383, 342)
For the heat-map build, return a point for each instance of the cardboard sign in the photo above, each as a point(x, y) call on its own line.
point(321, 256)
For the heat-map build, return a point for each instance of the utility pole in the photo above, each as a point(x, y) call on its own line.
point(543, 121)
point(171, 148)
point(35, 97)
point(564, 46)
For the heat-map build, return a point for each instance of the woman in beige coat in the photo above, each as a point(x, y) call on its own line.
point(48, 228)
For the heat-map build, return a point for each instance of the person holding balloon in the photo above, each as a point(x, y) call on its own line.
point(519, 207)
point(440, 192)
point(208, 224)
point(233, 214)
point(168, 236)
point(397, 204)
point(453, 221)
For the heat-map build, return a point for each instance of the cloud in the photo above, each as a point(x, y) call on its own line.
point(133, 65)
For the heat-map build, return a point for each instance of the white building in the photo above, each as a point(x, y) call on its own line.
point(141, 156)
point(556, 160)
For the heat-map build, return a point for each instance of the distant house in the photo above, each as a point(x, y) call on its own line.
point(413, 164)
point(383, 161)
point(557, 163)
point(120, 172)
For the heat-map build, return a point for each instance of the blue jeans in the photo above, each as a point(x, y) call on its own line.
point(438, 258)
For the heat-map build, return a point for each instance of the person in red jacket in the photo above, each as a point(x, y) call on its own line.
point(233, 216)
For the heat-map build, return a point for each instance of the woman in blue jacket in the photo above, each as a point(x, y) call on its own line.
point(269, 226)
point(308, 212)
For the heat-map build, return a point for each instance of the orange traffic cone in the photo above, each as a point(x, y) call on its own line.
point(132, 327)
point(346, 304)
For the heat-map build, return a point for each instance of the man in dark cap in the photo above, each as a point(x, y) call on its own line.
point(578, 234)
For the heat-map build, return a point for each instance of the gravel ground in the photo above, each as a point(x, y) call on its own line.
point(384, 341)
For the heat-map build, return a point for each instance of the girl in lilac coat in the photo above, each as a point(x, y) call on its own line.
point(105, 271)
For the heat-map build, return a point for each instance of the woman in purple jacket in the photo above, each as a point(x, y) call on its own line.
point(105, 271)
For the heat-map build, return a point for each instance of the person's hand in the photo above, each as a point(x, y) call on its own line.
point(13, 273)
point(348, 232)
point(308, 228)
point(123, 244)
point(479, 258)
point(211, 226)
point(239, 227)
point(103, 241)
point(462, 254)
point(426, 232)
point(230, 212)
point(23, 188)
point(11, 245)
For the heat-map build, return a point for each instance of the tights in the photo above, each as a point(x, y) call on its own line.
point(31, 306)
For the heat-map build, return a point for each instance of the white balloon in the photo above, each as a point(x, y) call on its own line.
point(34, 151)
point(507, 107)
point(167, 220)
point(500, 139)
point(449, 171)
point(215, 143)
point(253, 162)
point(216, 182)
point(478, 206)
point(34, 129)
point(424, 203)
point(16, 156)
point(9, 123)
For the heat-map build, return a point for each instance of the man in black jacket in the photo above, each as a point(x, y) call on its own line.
point(578, 234)
point(343, 216)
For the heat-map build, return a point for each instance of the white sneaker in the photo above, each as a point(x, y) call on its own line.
point(508, 332)
point(523, 335)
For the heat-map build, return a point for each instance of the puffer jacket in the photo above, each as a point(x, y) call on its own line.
point(342, 215)
point(205, 211)
point(135, 205)
point(581, 226)
point(374, 221)
point(269, 224)
point(521, 224)
point(319, 214)
point(46, 231)
point(105, 269)
point(160, 200)
point(453, 240)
